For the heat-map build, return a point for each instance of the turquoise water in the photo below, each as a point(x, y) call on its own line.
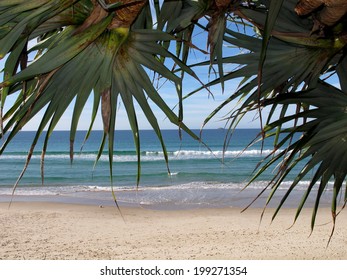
point(197, 177)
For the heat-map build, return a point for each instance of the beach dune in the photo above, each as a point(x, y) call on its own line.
point(33, 230)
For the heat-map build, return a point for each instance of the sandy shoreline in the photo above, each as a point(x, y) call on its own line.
point(33, 230)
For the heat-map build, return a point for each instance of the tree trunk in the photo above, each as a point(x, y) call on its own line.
point(126, 14)
point(330, 14)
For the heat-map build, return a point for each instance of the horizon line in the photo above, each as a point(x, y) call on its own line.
point(145, 129)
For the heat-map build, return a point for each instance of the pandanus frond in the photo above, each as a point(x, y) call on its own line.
point(293, 67)
point(105, 52)
point(322, 146)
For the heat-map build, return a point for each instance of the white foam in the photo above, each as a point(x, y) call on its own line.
point(147, 156)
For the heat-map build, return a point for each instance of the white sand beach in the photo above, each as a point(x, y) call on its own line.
point(33, 230)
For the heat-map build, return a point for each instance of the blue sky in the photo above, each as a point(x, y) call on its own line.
point(196, 108)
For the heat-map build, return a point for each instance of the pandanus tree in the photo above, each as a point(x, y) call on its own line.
point(60, 52)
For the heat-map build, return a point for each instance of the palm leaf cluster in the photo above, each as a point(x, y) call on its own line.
point(322, 146)
point(113, 50)
point(82, 49)
point(288, 80)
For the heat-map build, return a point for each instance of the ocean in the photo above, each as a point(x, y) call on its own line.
point(198, 177)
